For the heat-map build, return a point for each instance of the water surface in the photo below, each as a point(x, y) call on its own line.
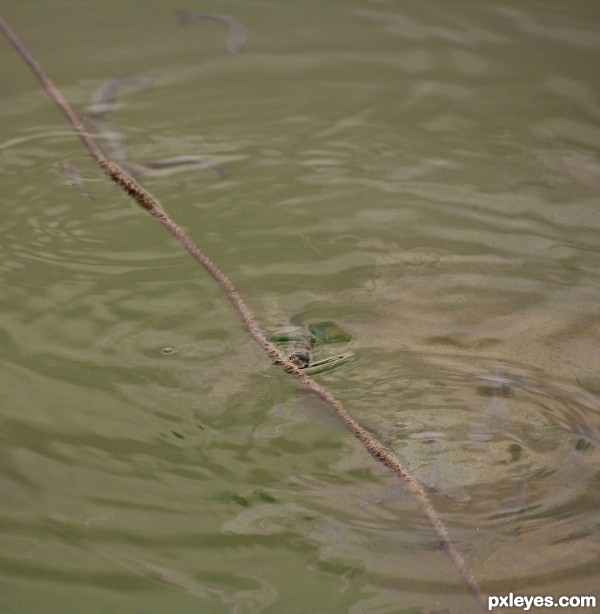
point(426, 176)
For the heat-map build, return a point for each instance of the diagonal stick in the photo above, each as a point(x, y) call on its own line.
point(143, 198)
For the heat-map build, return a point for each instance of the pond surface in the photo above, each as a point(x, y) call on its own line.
point(423, 175)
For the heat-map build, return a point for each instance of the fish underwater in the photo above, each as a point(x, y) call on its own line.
point(237, 34)
point(73, 177)
point(497, 411)
point(175, 163)
point(104, 99)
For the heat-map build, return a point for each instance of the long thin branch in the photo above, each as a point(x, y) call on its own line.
point(377, 450)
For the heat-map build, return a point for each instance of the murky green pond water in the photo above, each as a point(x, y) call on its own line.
point(424, 175)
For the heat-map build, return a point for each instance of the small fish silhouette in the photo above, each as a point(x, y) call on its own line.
point(73, 176)
point(237, 34)
point(104, 99)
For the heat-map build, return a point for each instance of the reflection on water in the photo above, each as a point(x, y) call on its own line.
point(426, 178)
point(544, 446)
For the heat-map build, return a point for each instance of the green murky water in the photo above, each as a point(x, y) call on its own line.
point(425, 176)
